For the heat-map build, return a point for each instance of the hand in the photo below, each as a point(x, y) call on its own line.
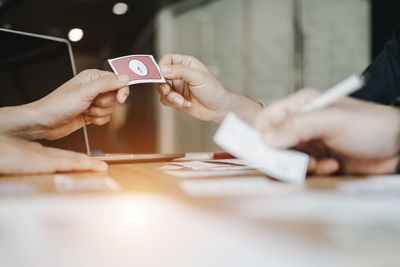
point(88, 98)
point(23, 157)
point(194, 89)
point(352, 136)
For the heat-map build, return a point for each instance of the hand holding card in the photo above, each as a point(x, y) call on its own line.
point(139, 68)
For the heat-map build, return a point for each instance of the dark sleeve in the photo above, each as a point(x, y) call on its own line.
point(382, 77)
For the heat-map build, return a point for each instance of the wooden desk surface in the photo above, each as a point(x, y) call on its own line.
point(145, 178)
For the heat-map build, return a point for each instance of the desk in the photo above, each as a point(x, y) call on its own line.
point(151, 222)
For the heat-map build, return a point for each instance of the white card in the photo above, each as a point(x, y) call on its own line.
point(242, 141)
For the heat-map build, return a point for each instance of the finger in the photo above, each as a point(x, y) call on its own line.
point(173, 59)
point(89, 75)
point(177, 100)
point(327, 166)
point(63, 160)
point(192, 76)
point(106, 100)
point(296, 130)
point(163, 88)
point(178, 86)
point(79, 163)
point(278, 111)
point(98, 120)
point(312, 164)
point(165, 102)
point(123, 94)
point(100, 111)
point(106, 84)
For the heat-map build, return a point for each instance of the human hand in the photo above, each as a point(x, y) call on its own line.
point(195, 90)
point(88, 98)
point(24, 157)
point(352, 136)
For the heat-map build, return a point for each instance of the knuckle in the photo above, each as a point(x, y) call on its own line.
point(88, 72)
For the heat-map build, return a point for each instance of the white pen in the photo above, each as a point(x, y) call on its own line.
point(334, 94)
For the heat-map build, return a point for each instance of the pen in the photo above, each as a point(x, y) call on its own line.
point(334, 94)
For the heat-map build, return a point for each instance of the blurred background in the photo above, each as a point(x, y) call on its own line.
point(264, 49)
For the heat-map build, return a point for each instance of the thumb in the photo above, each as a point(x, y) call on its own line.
point(106, 84)
point(295, 130)
point(192, 76)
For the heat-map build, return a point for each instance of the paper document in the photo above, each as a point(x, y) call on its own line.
point(215, 168)
point(194, 165)
point(210, 173)
point(384, 185)
point(200, 165)
point(242, 141)
point(16, 188)
point(65, 183)
point(234, 187)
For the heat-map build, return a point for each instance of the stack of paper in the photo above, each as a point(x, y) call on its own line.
point(206, 169)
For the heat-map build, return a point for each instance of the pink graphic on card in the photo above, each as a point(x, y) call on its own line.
point(139, 68)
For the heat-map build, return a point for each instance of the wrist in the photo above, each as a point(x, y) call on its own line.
point(244, 107)
point(230, 101)
point(24, 121)
point(36, 118)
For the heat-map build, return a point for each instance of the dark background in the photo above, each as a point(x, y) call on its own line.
point(107, 35)
point(385, 18)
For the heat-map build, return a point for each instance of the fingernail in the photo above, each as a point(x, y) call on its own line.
point(179, 101)
point(124, 97)
point(166, 69)
point(188, 104)
point(123, 78)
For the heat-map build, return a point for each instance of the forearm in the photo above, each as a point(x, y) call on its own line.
point(21, 121)
point(244, 107)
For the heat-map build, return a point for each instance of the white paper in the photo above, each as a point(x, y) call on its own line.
point(195, 156)
point(220, 168)
point(209, 173)
point(242, 141)
point(233, 187)
point(323, 207)
point(384, 185)
point(194, 165)
point(227, 161)
point(64, 183)
point(16, 188)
